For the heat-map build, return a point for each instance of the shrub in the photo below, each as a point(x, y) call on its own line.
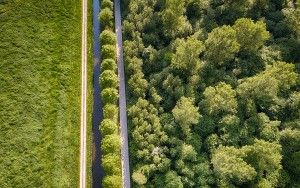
point(113, 181)
point(139, 178)
point(109, 64)
point(109, 95)
point(110, 111)
point(108, 37)
point(106, 18)
point(108, 127)
point(108, 78)
point(108, 51)
point(111, 144)
point(107, 4)
point(112, 164)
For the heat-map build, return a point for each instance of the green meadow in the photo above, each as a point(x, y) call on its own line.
point(40, 83)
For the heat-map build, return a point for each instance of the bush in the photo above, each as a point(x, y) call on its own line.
point(107, 4)
point(113, 181)
point(110, 111)
point(139, 178)
point(109, 95)
point(108, 79)
point(111, 144)
point(112, 164)
point(108, 127)
point(108, 51)
point(106, 18)
point(109, 64)
point(108, 37)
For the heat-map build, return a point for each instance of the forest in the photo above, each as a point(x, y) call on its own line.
point(213, 92)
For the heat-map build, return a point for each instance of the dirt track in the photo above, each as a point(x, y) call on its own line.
point(83, 96)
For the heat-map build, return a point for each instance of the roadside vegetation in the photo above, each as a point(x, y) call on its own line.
point(109, 83)
point(40, 58)
point(213, 92)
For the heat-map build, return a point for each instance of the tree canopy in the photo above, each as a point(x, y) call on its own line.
point(213, 92)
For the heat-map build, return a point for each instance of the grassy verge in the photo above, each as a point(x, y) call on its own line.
point(90, 93)
point(40, 58)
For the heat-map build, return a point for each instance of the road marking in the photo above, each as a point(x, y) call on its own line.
point(83, 97)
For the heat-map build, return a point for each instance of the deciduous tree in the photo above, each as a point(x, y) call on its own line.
point(251, 36)
point(186, 114)
point(221, 45)
point(109, 95)
point(108, 79)
point(220, 99)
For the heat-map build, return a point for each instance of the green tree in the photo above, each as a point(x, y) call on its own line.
point(186, 57)
point(251, 36)
point(173, 88)
point(228, 163)
point(107, 4)
point(263, 89)
point(220, 100)
point(108, 78)
point(110, 111)
point(292, 19)
point(229, 129)
point(149, 137)
point(173, 19)
point(173, 180)
point(266, 158)
point(138, 85)
point(294, 104)
point(188, 153)
point(108, 127)
point(221, 45)
point(113, 181)
point(268, 130)
point(112, 164)
point(284, 73)
point(106, 18)
point(109, 64)
point(290, 141)
point(107, 37)
point(109, 96)
point(111, 144)
point(108, 51)
point(134, 65)
point(186, 114)
point(139, 178)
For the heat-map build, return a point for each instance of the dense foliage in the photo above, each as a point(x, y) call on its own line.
point(213, 92)
point(109, 127)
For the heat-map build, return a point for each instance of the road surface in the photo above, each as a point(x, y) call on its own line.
point(122, 99)
point(83, 96)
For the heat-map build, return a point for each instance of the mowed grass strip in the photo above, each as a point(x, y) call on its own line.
point(40, 82)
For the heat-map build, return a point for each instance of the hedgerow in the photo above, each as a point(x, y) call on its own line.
point(110, 145)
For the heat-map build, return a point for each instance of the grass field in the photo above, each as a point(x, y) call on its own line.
point(40, 57)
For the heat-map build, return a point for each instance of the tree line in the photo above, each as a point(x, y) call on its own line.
point(213, 92)
point(109, 83)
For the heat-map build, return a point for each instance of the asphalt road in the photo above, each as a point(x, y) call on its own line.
point(122, 98)
point(83, 96)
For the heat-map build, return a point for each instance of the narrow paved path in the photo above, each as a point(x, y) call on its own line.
point(122, 99)
point(83, 96)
